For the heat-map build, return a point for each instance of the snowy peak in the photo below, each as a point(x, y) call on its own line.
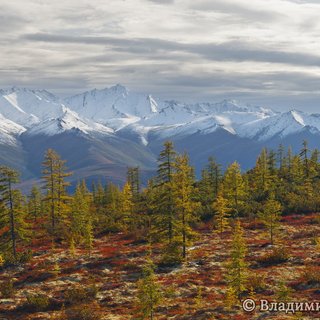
point(233, 106)
point(28, 107)
point(69, 121)
point(281, 125)
point(110, 103)
point(296, 115)
point(117, 110)
point(9, 131)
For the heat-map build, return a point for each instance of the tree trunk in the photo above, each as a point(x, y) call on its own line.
point(184, 253)
point(12, 222)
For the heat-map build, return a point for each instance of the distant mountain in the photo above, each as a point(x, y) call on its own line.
point(101, 132)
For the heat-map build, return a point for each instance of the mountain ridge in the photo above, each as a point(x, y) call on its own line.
point(142, 123)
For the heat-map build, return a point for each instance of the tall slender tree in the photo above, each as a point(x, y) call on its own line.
point(129, 219)
point(220, 205)
point(237, 267)
point(234, 188)
point(133, 178)
point(165, 215)
point(149, 292)
point(209, 185)
point(35, 207)
point(183, 192)
point(304, 154)
point(55, 184)
point(12, 214)
point(271, 215)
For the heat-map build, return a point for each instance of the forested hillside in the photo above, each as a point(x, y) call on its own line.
point(179, 248)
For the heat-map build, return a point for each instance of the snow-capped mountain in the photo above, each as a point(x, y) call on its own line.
point(27, 107)
point(40, 112)
point(9, 131)
point(69, 120)
point(115, 126)
point(115, 106)
point(280, 125)
point(122, 110)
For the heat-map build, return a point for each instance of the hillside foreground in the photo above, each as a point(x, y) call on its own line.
point(104, 285)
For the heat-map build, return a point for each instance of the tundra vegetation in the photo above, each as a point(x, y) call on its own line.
point(178, 248)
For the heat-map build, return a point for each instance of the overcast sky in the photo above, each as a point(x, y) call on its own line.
point(264, 52)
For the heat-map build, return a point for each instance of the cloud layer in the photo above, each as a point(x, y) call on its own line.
point(262, 52)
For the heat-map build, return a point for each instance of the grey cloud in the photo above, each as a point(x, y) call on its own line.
point(10, 21)
point(306, 1)
point(275, 81)
point(31, 78)
point(237, 10)
point(162, 1)
point(227, 51)
point(185, 63)
point(289, 89)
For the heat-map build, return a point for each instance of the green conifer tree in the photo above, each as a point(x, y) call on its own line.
point(54, 175)
point(271, 215)
point(149, 293)
point(183, 193)
point(35, 207)
point(221, 217)
point(234, 188)
point(237, 268)
point(12, 212)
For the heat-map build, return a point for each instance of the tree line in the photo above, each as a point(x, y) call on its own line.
point(166, 210)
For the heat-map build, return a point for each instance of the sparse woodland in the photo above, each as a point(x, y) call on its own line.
point(179, 248)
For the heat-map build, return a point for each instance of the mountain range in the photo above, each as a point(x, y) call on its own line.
point(102, 132)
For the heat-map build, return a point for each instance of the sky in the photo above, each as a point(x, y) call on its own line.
point(262, 52)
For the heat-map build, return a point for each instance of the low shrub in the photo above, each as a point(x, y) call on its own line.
point(6, 289)
point(256, 282)
point(284, 292)
point(38, 302)
point(79, 294)
point(172, 256)
point(311, 275)
point(277, 256)
point(25, 256)
point(21, 258)
point(83, 312)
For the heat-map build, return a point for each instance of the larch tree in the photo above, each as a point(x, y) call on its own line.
point(297, 172)
point(12, 211)
point(234, 188)
point(314, 166)
point(81, 218)
point(220, 205)
point(79, 214)
point(262, 175)
point(35, 207)
point(138, 197)
point(281, 157)
point(304, 154)
point(237, 267)
point(209, 185)
point(111, 215)
point(133, 178)
point(270, 216)
point(183, 192)
point(55, 184)
point(149, 292)
point(165, 215)
point(287, 164)
point(272, 162)
point(129, 219)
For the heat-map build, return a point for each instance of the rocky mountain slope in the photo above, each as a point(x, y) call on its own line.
point(101, 132)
